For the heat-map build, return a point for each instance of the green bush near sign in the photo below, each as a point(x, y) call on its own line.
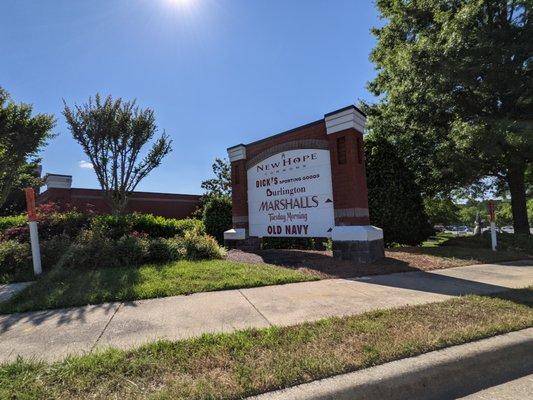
point(217, 216)
point(394, 198)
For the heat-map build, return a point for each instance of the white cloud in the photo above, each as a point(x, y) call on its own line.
point(85, 164)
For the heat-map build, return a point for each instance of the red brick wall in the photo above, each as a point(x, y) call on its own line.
point(163, 204)
point(239, 194)
point(349, 179)
point(314, 130)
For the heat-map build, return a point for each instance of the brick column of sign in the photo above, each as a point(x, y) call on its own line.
point(348, 173)
point(353, 237)
point(238, 236)
point(239, 194)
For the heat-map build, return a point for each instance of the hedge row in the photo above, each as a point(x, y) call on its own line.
point(89, 250)
point(72, 223)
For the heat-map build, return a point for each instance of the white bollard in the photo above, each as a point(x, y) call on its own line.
point(35, 251)
point(493, 235)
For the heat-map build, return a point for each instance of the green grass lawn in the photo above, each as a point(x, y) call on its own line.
point(478, 249)
point(65, 288)
point(253, 361)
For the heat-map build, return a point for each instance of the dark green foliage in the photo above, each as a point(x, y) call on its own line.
point(217, 217)
point(455, 93)
point(22, 136)
point(53, 250)
point(115, 226)
point(15, 260)
point(394, 198)
point(28, 176)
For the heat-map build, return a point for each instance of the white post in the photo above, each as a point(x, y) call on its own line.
point(493, 235)
point(35, 251)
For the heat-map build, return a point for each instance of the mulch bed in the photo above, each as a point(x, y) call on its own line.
point(322, 264)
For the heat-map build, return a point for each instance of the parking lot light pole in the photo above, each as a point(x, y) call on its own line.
point(34, 233)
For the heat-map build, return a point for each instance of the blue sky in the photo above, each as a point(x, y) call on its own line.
point(216, 72)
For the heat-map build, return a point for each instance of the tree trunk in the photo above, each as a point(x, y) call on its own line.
point(516, 182)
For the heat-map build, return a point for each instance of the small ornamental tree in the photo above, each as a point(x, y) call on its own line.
point(394, 198)
point(113, 132)
point(21, 137)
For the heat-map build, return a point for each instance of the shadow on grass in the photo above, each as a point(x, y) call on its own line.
point(83, 292)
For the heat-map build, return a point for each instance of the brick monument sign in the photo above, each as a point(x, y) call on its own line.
point(306, 182)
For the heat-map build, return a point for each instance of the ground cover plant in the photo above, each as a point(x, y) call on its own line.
point(244, 363)
point(66, 287)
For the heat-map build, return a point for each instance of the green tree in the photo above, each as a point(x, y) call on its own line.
point(28, 175)
point(441, 211)
point(113, 133)
point(220, 185)
point(394, 198)
point(22, 136)
point(455, 85)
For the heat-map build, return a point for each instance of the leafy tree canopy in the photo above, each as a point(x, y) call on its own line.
point(456, 92)
point(22, 136)
point(113, 133)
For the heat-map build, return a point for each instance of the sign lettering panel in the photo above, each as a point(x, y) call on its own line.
point(290, 194)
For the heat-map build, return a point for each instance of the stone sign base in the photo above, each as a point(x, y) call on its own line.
point(362, 244)
point(238, 239)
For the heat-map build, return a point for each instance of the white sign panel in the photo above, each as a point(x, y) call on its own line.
point(290, 194)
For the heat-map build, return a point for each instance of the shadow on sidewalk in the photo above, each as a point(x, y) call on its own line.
point(437, 283)
point(88, 291)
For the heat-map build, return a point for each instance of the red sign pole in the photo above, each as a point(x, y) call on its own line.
point(34, 233)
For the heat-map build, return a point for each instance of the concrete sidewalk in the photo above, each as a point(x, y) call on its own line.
point(53, 334)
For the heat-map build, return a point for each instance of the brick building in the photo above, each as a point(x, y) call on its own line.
point(59, 191)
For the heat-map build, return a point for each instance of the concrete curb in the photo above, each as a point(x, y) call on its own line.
point(444, 374)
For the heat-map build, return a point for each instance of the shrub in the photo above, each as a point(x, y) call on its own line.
point(15, 259)
point(200, 247)
point(159, 250)
point(53, 250)
point(89, 251)
point(51, 224)
point(154, 226)
point(217, 217)
point(12, 221)
point(131, 250)
point(394, 198)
